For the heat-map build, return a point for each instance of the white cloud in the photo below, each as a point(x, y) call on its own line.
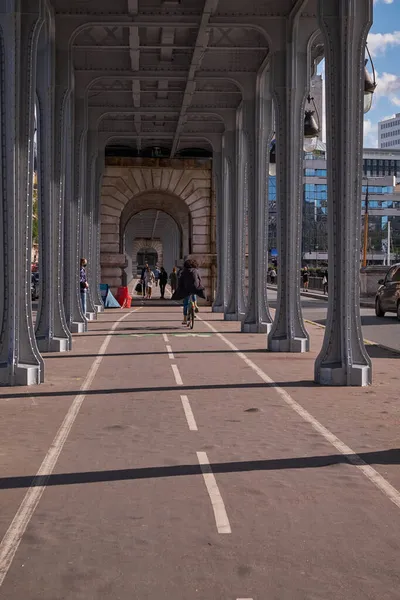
point(388, 86)
point(370, 134)
point(379, 42)
point(384, 1)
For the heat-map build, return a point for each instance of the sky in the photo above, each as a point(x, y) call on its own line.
point(384, 45)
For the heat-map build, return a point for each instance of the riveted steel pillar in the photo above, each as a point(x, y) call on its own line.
point(218, 305)
point(229, 198)
point(52, 333)
point(95, 272)
point(257, 126)
point(236, 309)
point(20, 360)
point(77, 322)
point(87, 196)
point(289, 84)
point(343, 359)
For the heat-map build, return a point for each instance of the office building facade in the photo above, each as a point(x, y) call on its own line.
point(389, 132)
point(381, 170)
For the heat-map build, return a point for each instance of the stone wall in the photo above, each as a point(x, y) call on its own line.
point(180, 187)
point(369, 277)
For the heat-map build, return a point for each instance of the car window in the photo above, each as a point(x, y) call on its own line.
point(389, 276)
point(396, 275)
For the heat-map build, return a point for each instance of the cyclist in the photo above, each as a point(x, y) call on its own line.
point(189, 286)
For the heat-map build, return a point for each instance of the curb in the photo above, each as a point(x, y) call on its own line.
point(366, 342)
point(315, 296)
point(362, 304)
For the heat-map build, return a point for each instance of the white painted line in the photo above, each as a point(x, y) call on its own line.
point(178, 377)
point(12, 538)
point(380, 482)
point(170, 353)
point(244, 598)
point(221, 518)
point(189, 413)
point(165, 338)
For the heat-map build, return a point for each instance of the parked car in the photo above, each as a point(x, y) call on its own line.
point(387, 298)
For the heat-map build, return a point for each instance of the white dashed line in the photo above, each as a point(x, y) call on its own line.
point(170, 353)
point(221, 518)
point(178, 377)
point(12, 538)
point(165, 338)
point(380, 482)
point(244, 599)
point(189, 413)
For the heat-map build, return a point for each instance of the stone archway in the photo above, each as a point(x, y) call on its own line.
point(178, 187)
point(141, 244)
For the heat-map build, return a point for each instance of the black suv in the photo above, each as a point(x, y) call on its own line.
point(387, 298)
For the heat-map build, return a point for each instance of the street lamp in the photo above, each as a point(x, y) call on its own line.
point(311, 126)
point(272, 157)
point(369, 83)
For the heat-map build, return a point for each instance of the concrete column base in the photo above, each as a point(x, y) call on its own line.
point(234, 316)
point(289, 345)
point(78, 327)
point(256, 327)
point(23, 375)
point(53, 345)
point(91, 316)
point(337, 375)
point(99, 308)
point(218, 308)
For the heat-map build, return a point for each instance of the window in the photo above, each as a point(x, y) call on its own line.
point(389, 276)
point(315, 172)
point(396, 275)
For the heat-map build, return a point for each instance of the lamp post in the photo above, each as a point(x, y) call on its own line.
point(311, 126)
point(369, 83)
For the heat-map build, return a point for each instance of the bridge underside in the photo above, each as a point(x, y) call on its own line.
point(171, 105)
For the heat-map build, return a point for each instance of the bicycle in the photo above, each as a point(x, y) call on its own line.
point(190, 313)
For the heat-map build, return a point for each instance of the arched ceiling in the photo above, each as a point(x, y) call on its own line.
point(166, 72)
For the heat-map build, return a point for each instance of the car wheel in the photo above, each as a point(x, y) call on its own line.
point(378, 309)
point(398, 310)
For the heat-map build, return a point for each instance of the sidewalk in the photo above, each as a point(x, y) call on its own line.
point(131, 508)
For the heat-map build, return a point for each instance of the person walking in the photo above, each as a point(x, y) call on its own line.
point(306, 275)
point(272, 275)
point(173, 278)
point(157, 274)
point(84, 286)
point(189, 286)
point(142, 281)
point(325, 282)
point(149, 280)
point(163, 282)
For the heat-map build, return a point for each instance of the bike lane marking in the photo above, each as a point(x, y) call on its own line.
point(13, 536)
point(221, 517)
point(370, 473)
point(177, 375)
point(191, 421)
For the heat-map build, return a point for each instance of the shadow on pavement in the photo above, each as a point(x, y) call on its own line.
point(163, 352)
point(379, 352)
point(382, 457)
point(155, 390)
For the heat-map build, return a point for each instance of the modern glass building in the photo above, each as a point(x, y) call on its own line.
point(382, 177)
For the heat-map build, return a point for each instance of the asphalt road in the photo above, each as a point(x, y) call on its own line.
point(176, 467)
point(384, 331)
